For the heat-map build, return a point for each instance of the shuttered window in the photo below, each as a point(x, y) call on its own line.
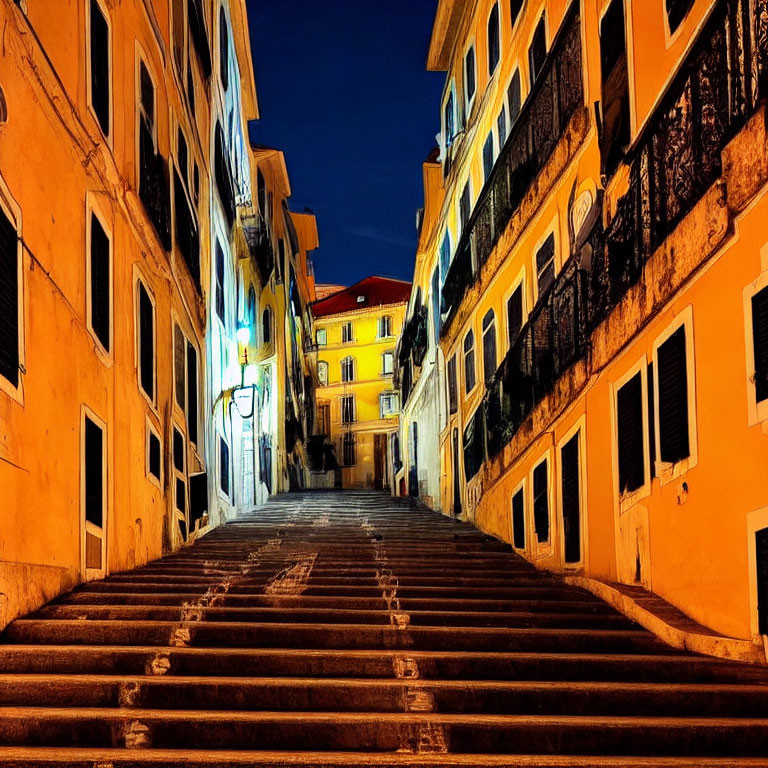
point(651, 421)
point(545, 264)
point(469, 362)
point(347, 333)
point(469, 74)
point(99, 65)
point(493, 39)
point(221, 306)
point(514, 98)
point(518, 520)
point(615, 87)
point(224, 466)
point(154, 454)
point(489, 346)
point(192, 393)
point(348, 409)
point(488, 157)
point(571, 499)
point(9, 300)
point(501, 126)
point(629, 418)
point(760, 343)
point(677, 10)
point(94, 473)
point(541, 501)
point(672, 374)
point(514, 314)
point(537, 53)
point(146, 343)
point(453, 400)
point(100, 283)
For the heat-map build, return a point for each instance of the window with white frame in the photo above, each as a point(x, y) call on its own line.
point(322, 373)
point(321, 337)
point(388, 404)
point(488, 156)
point(347, 409)
point(99, 282)
point(501, 126)
point(99, 66)
point(469, 362)
point(757, 347)
point(449, 119)
point(540, 483)
point(514, 314)
point(445, 256)
point(494, 40)
point(537, 53)
point(470, 78)
point(348, 369)
point(630, 434)
point(154, 450)
point(465, 206)
point(385, 327)
point(387, 363)
point(186, 380)
point(145, 327)
point(489, 346)
point(347, 335)
point(514, 98)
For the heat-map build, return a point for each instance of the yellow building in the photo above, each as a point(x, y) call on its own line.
point(604, 273)
point(357, 406)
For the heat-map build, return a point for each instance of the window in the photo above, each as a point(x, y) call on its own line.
point(545, 264)
point(348, 369)
point(470, 84)
point(630, 437)
point(518, 518)
point(321, 337)
point(514, 10)
point(488, 156)
point(99, 65)
point(179, 454)
point(385, 327)
point(474, 443)
point(449, 121)
point(146, 334)
point(493, 40)
point(261, 194)
point(759, 307)
point(100, 283)
point(348, 449)
point(94, 490)
point(677, 10)
point(182, 156)
point(387, 363)
point(346, 333)
point(514, 314)
point(154, 456)
point(501, 126)
point(514, 98)
point(469, 362)
point(445, 257)
point(324, 419)
point(223, 48)
point(9, 300)
point(322, 372)
point(347, 409)
point(266, 325)
point(435, 305)
point(453, 390)
point(179, 366)
point(489, 346)
point(224, 472)
point(192, 393)
point(465, 207)
point(537, 53)
point(252, 307)
point(221, 306)
point(541, 501)
point(388, 404)
point(570, 495)
point(615, 88)
point(674, 438)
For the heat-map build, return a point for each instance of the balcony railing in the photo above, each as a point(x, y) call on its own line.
point(674, 162)
point(557, 94)
point(155, 187)
point(260, 246)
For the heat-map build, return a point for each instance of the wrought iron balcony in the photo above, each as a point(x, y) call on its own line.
point(553, 100)
point(260, 246)
point(155, 187)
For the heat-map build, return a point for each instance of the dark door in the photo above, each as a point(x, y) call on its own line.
point(379, 461)
point(456, 475)
point(571, 500)
point(413, 471)
point(761, 551)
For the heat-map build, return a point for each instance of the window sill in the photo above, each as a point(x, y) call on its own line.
point(667, 472)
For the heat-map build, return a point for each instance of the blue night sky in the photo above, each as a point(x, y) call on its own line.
point(344, 92)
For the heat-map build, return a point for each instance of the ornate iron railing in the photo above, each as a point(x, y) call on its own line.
point(155, 187)
point(557, 94)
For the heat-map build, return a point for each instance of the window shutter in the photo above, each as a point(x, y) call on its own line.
point(452, 386)
point(146, 343)
point(474, 444)
point(9, 301)
point(629, 418)
point(673, 398)
point(651, 421)
point(100, 298)
point(100, 66)
point(541, 502)
point(760, 342)
point(192, 394)
point(94, 473)
point(518, 520)
point(179, 365)
point(571, 501)
point(469, 67)
point(464, 207)
point(515, 314)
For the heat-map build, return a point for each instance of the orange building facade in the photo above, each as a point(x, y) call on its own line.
point(603, 318)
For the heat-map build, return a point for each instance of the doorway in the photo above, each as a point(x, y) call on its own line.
point(380, 480)
point(456, 475)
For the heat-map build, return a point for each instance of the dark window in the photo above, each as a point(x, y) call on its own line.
point(223, 49)
point(347, 369)
point(448, 120)
point(514, 98)
point(100, 294)
point(469, 362)
point(154, 455)
point(397, 462)
point(465, 207)
point(629, 419)
point(261, 194)
point(147, 92)
point(501, 125)
point(489, 346)
point(182, 156)
point(223, 174)
point(146, 343)
point(673, 398)
point(179, 366)
point(100, 96)
point(469, 74)
point(515, 314)
point(651, 421)
point(221, 306)
point(94, 473)
point(761, 561)
point(178, 450)
point(615, 87)
point(514, 10)
point(453, 400)
point(346, 333)
point(545, 264)
point(571, 498)
point(9, 300)
point(347, 409)
point(474, 444)
point(677, 10)
point(223, 465)
point(541, 501)
point(349, 457)
point(488, 156)
point(493, 39)
point(537, 53)
point(192, 395)
point(760, 343)
point(266, 326)
point(518, 520)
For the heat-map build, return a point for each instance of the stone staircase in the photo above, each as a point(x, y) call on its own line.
point(351, 629)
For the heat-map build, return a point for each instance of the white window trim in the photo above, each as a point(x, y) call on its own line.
point(138, 277)
point(158, 482)
point(181, 77)
point(348, 360)
point(324, 342)
point(93, 210)
point(448, 140)
point(515, 69)
point(521, 486)
point(627, 500)
point(384, 371)
point(666, 472)
point(86, 526)
point(182, 475)
point(141, 57)
point(542, 549)
point(579, 427)
point(502, 18)
point(324, 365)
point(469, 101)
point(471, 392)
point(351, 338)
point(13, 211)
point(553, 228)
point(518, 282)
point(394, 405)
point(88, 74)
point(495, 325)
point(378, 327)
point(541, 11)
point(354, 409)
point(467, 182)
point(757, 413)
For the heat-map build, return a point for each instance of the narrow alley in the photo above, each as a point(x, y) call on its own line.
point(350, 628)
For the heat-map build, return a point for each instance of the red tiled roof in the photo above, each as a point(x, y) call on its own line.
point(375, 290)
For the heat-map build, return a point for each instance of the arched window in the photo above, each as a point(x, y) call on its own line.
point(493, 40)
point(322, 372)
point(266, 325)
point(489, 345)
point(348, 369)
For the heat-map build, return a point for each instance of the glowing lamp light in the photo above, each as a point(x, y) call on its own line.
point(244, 334)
